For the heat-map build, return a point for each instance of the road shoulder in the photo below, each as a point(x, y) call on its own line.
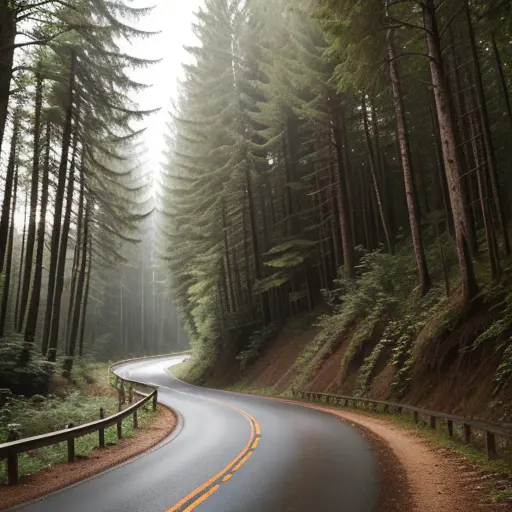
point(418, 475)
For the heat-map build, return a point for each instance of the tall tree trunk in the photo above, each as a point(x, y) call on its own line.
point(480, 164)
point(503, 82)
point(451, 161)
point(9, 179)
point(373, 172)
point(31, 237)
point(487, 135)
point(443, 183)
point(63, 250)
point(57, 215)
point(35, 298)
point(23, 242)
point(76, 258)
point(85, 302)
point(8, 264)
point(78, 302)
point(341, 193)
point(405, 155)
point(7, 37)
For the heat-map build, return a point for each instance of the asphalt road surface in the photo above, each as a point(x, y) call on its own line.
point(232, 453)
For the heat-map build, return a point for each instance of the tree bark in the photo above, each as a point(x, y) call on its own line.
point(8, 264)
point(492, 164)
point(6, 205)
point(31, 237)
point(78, 302)
point(347, 242)
point(85, 302)
point(405, 155)
point(57, 216)
point(372, 157)
point(23, 242)
point(7, 37)
point(73, 296)
point(449, 146)
point(35, 298)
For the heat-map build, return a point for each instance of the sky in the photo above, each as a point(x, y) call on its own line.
point(173, 19)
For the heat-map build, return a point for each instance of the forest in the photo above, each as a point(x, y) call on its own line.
point(348, 152)
point(80, 275)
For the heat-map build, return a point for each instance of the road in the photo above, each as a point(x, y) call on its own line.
point(232, 453)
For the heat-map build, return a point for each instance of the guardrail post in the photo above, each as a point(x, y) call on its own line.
point(120, 430)
point(491, 445)
point(135, 420)
point(386, 408)
point(101, 431)
point(433, 422)
point(450, 428)
point(416, 417)
point(71, 446)
point(399, 409)
point(345, 402)
point(12, 460)
point(467, 433)
point(155, 400)
point(12, 469)
point(130, 394)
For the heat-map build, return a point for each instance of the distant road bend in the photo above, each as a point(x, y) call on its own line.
point(232, 453)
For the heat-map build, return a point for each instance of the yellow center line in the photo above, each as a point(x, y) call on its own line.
point(242, 462)
point(256, 443)
point(200, 500)
point(202, 493)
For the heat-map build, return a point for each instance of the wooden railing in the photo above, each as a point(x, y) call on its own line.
point(490, 430)
point(11, 450)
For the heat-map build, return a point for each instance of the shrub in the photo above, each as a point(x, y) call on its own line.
point(23, 377)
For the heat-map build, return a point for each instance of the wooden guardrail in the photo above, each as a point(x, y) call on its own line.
point(11, 450)
point(490, 430)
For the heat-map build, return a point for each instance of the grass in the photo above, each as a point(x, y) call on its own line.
point(40, 415)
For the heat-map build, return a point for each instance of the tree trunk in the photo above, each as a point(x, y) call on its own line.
point(73, 296)
point(57, 216)
point(9, 179)
point(503, 82)
point(490, 237)
point(405, 155)
point(31, 237)
point(78, 302)
point(449, 146)
point(372, 156)
point(341, 194)
point(23, 242)
point(8, 263)
point(35, 298)
point(7, 37)
point(63, 250)
point(487, 135)
point(85, 302)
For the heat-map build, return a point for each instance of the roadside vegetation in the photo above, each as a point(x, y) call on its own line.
point(69, 402)
point(356, 155)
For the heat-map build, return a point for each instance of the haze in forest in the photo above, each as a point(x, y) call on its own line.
point(343, 164)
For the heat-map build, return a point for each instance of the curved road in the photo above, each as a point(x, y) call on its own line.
point(232, 453)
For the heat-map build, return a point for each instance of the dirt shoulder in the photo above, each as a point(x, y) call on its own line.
point(418, 475)
point(65, 474)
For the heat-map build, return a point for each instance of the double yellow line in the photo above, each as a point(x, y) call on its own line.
point(204, 491)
